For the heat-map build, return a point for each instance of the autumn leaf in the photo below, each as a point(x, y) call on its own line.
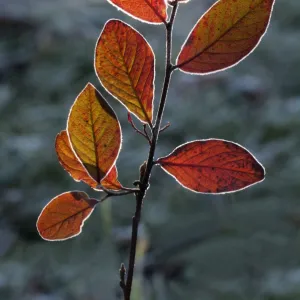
point(111, 181)
point(94, 132)
point(64, 216)
point(150, 11)
point(124, 63)
point(73, 166)
point(228, 32)
point(213, 166)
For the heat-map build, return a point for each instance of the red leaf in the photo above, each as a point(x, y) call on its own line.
point(228, 32)
point(74, 167)
point(64, 216)
point(150, 11)
point(213, 166)
point(124, 63)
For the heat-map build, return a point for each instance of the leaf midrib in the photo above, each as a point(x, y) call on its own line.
point(222, 35)
point(155, 11)
point(203, 166)
point(131, 82)
point(69, 217)
point(98, 179)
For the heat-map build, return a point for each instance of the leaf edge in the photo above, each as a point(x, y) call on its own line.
point(154, 69)
point(139, 19)
point(81, 225)
point(119, 124)
point(231, 66)
point(221, 193)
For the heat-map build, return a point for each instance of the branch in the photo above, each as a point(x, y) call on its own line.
point(144, 181)
point(122, 273)
point(144, 134)
point(165, 127)
point(111, 193)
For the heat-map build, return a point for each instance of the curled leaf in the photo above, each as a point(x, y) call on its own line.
point(213, 166)
point(73, 166)
point(64, 216)
point(124, 63)
point(150, 11)
point(94, 132)
point(228, 32)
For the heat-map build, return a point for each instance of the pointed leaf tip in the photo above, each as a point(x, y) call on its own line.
point(94, 133)
point(150, 11)
point(227, 33)
point(213, 166)
point(64, 216)
point(124, 63)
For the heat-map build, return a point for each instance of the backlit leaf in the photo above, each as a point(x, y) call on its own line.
point(64, 216)
point(124, 63)
point(94, 132)
point(213, 166)
point(224, 35)
point(150, 11)
point(74, 167)
point(111, 180)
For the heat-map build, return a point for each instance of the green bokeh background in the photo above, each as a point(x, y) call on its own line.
point(243, 246)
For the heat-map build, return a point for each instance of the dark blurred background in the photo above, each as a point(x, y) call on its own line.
point(243, 246)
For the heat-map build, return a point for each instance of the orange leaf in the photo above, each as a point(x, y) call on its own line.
point(64, 216)
point(228, 32)
point(213, 166)
point(111, 180)
point(94, 132)
point(150, 11)
point(124, 63)
point(74, 167)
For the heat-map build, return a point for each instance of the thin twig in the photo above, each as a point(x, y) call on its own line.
point(165, 127)
point(147, 134)
point(144, 184)
point(123, 188)
point(112, 193)
point(122, 273)
point(144, 134)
